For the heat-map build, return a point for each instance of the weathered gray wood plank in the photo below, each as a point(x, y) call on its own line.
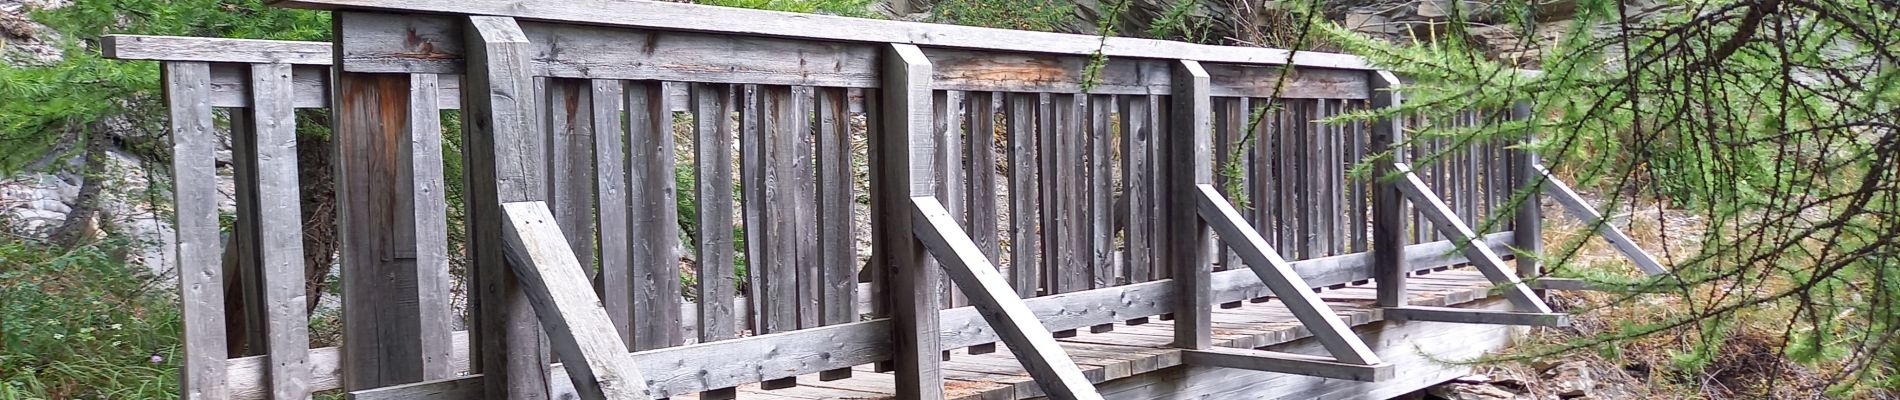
point(653, 223)
point(423, 44)
point(175, 48)
point(195, 219)
point(610, 157)
point(506, 163)
point(947, 123)
point(583, 336)
point(279, 240)
point(836, 200)
point(1139, 173)
point(1032, 344)
point(571, 141)
point(712, 108)
point(1188, 162)
point(382, 314)
point(1388, 205)
point(688, 17)
point(1098, 187)
point(1291, 363)
point(769, 207)
point(982, 211)
point(429, 211)
point(712, 125)
point(1464, 316)
point(1064, 209)
point(804, 203)
point(907, 168)
point(1025, 238)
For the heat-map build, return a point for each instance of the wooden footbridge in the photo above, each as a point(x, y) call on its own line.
point(1178, 224)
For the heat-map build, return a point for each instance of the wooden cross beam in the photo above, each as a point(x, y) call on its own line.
point(1480, 255)
point(563, 298)
point(1581, 210)
point(1273, 361)
point(1470, 316)
point(1280, 278)
point(996, 301)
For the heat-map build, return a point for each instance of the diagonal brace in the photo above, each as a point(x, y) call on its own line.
point(986, 289)
point(1281, 279)
point(564, 300)
point(1474, 247)
point(1582, 210)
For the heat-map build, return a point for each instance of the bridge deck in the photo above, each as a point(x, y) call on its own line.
point(1130, 350)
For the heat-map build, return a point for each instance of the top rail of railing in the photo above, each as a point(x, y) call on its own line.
point(736, 21)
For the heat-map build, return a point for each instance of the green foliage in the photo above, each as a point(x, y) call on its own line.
point(1772, 121)
point(78, 324)
point(849, 8)
point(1186, 20)
point(1032, 15)
point(41, 104)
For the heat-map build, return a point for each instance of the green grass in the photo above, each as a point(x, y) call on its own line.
point(80, 324)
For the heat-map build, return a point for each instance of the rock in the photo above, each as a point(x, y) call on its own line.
point(1467, 391)
point(1569, 379)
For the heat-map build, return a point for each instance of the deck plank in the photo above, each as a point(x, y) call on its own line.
point(1136, 349)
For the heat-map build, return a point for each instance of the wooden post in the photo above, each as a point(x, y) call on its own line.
point(503, 149)
point(272, 155)
point(907, 168)
point(1527, 232)
point(654, 218)
point(395, 278)
point(1189, 165)
point(1388, 205)
point(195, 182)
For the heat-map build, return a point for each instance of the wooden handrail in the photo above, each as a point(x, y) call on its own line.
point(737, 21)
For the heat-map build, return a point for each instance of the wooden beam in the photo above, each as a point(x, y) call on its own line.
point(736, 21)
point(394, 319)
point(1449, 224)
point(1282, 280)
point(906, 168)
point(563, 298)
point(1470, 316)
point(992, 297)
point(652, 199)
point(1388, 205)
point(1188, 162)
point(1581, 209)
point(273, 149)
point(1291, 363)
point(195, 218)
point(1528, 221)
point(504, 151)
point(178, 48)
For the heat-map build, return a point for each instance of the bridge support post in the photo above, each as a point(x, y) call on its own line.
point(504, 151)
point(907, 146)
point(1528, 228)
point(396, 315)
point(1388, 205)
point(1189, 164)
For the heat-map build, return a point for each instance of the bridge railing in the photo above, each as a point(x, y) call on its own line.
point(750, 155)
